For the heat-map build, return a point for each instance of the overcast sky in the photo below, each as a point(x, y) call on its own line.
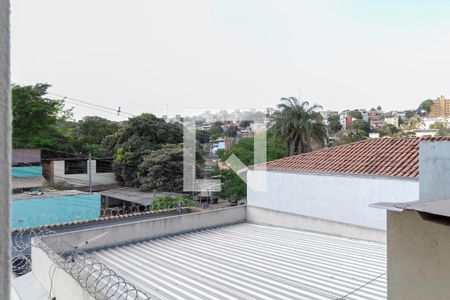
point(144, 54)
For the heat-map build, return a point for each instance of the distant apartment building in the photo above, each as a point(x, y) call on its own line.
point(365, 115)
point(372, 112)
point(376, 122)
point(392, 121)
point(345, 119)
point(440, 107)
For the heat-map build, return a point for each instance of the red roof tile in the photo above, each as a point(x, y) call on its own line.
point(383, 156)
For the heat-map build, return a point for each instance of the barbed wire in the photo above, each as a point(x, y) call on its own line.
point(94, 276)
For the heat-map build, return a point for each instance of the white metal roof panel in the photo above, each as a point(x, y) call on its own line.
point(248, 261)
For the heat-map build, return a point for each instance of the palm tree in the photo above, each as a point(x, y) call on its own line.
point(299, 125)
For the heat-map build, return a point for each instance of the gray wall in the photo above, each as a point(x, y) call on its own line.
point(434, 164)
point(146, 229)
point(418, 257)
point(5, 151)
point(338, 198)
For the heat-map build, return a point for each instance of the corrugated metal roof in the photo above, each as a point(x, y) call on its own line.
point(248, 261)
point(133, 195)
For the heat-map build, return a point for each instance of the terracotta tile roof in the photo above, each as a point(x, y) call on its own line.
point(383, 156)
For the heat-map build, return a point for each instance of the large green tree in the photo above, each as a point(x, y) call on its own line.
point(162, 169)
point(333, 124)
point(89, 133)
point(138, 136)
point(36, 118)
point(299, 125)
point(233, 187)
point(360, 126)
point(426, 105)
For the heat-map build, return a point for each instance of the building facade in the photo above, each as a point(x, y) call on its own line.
point(440, 107)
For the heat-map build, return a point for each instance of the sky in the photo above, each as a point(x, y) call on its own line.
point(171, 56)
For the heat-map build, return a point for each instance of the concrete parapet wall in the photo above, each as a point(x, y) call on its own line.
point(294, 221)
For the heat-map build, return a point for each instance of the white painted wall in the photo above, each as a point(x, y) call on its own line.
point(339, 198)
point(82, 179)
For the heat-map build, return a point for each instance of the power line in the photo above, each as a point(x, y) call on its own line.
point(117, 111)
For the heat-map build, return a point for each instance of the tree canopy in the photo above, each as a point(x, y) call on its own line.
point(139, 135)
point(388, 130)
point(232, 185)
point(426, 105)
point(299, 125)
point(356, 114)
point(333, 124)
point(89, 133)
point(162, 169)
point(36, 118)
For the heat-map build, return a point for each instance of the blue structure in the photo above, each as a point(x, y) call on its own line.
point(27, 171)
point(53, 210)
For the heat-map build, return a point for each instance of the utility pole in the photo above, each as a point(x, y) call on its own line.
point(90, 172)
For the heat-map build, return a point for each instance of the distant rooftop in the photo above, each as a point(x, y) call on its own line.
point(134, 195)
point(384, 156)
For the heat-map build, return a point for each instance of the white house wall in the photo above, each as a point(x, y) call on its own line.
point(339, 198)
point(82, 179)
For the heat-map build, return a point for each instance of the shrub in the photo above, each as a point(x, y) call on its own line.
point(166, 202)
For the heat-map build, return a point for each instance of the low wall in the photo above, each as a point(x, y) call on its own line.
point(146, 229)
point(333, 197)
point(294, 221)
point(56, 280)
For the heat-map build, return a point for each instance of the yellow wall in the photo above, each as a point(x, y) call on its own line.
point(440, 107)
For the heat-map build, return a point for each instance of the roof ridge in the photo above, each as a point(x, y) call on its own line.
point(387, 156)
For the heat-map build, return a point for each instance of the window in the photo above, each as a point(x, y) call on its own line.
point(75, 167)
point(103, 166)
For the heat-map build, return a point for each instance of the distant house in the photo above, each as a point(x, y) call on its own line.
point(392, 121)
point(75, 171)
point(332, 188)
point(222, 144)
point(376, 122)
point(126, 197)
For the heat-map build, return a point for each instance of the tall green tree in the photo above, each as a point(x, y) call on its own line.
point(162, 169)
point(215, 130)
point(299, 125)
point(233, 187)
point(388, 130)
point(333, 124)
point(89, 133)
point(138, 136)
point(360, 126)
point(426, 105)
point(356, 114)
point(36, 118)
point(231, 131)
